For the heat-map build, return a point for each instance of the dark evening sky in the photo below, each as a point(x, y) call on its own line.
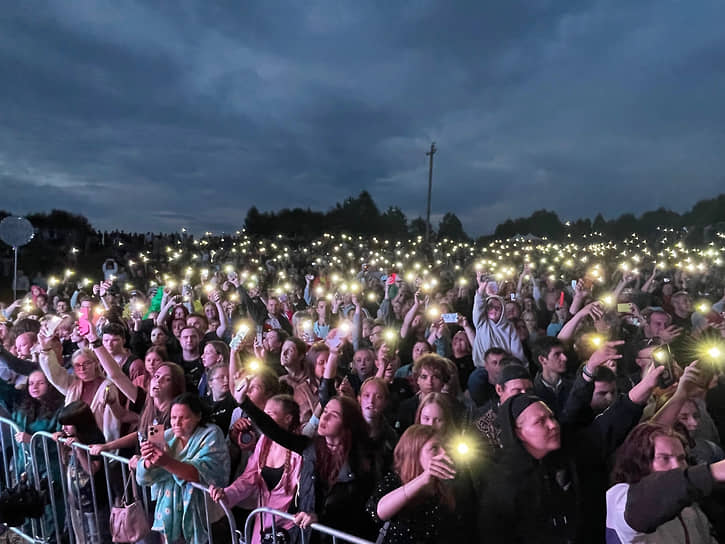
point(157, 115)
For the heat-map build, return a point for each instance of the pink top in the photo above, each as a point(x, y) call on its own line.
point(250, 486)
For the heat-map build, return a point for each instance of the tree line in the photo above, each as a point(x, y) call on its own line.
point(361, 215)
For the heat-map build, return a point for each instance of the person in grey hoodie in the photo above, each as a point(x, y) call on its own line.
point(492, 327)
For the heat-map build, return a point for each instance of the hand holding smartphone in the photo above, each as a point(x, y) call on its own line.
point(84, 321)
point(156, 436)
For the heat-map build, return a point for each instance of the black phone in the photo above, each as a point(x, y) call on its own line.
point(662, 356)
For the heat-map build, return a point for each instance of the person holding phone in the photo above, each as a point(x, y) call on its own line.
point(89, 384)
point(299, 376)
point(272, 472)
point(335, 478)
point(166, 383)
point(414, 497)
point(193, 451)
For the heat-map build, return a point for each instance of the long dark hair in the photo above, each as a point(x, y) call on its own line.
point(79, 414)
point(178, 385)
point(634, 457)
point(355, 447)
point(44, 407)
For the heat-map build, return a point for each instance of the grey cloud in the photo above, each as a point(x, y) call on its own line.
point(190, 113)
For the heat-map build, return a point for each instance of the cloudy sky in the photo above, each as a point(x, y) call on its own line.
point(157, 115)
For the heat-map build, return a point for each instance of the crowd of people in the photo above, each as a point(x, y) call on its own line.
point(519, 391)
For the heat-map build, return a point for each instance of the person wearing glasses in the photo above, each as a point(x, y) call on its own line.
point(87, 383)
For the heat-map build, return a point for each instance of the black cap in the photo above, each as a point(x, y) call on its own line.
point(521, 402)
point(513, 372)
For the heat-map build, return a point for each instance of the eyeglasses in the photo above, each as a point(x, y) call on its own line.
point(83, 364)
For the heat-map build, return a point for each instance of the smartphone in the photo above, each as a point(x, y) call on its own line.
point(663, 357)
point(624, 308)
point(156, 435)
point(237, 338)
point(84, 321)
point(450, 318)
point(260, 334)
point(587, 283)
point(706, 372)
point(512, 297)
point(573, 284)
point(666, 280)
point(51, 324)
point(714, 318)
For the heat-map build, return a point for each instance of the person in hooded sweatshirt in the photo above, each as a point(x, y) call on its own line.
point(541, 489)
point(492, 327)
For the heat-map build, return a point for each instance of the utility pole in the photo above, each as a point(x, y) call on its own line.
point(430, 186)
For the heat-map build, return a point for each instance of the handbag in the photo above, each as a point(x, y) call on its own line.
point(280, 536)
point(129, 522)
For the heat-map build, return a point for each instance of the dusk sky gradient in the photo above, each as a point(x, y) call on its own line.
point(157, 115)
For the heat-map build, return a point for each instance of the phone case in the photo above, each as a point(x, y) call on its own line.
point(156, 435)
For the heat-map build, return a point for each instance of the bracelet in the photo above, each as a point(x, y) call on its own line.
point(97, 343)
point(586, 372)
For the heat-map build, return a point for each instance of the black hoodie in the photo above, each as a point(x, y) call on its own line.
point(551, 500)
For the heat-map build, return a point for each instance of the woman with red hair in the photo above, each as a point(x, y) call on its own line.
point(415, 499)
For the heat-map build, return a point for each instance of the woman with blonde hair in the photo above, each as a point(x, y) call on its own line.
point(89, 384)
point(435, 410)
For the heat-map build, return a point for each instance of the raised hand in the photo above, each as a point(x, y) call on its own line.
point(670, 333)
point(608, 352)
point(441, 467)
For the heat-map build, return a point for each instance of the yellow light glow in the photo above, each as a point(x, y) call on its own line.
point(463, 448)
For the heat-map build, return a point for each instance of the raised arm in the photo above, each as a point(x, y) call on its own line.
point(688, 387)
point(567, 332)
point(357, 320)
point(14, 364)
point(269, 427)
point(580, 296)
point(216, 298)
point(167, 302)
point(112, 368)
point(408, 319)
point(661, 496)
point(55, 373)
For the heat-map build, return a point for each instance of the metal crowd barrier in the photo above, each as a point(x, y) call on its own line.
point(236, 536)
point(10, 455)
point(315, 527)
point(93, 526)
point(83, 525)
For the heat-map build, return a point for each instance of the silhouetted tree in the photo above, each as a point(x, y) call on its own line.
point(451, 227)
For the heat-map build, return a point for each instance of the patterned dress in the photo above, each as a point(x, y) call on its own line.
point(180, 513)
